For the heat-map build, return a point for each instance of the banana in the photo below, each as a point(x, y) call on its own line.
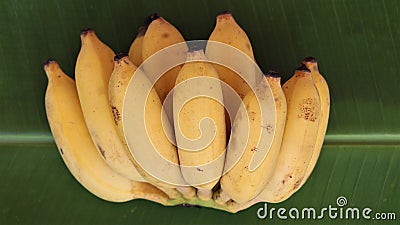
point(240, 183)
point(118, 82)
point(227, 31)
point(323, 91)
point(299, 138)
point(77, 149)
point(123, 71)
point(92, 73)
point(195, 97)
point(159, 35)
point(135, 51)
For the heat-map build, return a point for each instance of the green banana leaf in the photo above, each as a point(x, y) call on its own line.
point(357, 44)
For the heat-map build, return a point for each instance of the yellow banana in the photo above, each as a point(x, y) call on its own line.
point(159, 35)
point(299, 138)
point(119, 79)
point(93, 69)
point(227, 31)
point(254, 127)
point(323, 91)
point(123, 71)
point(135, 51)
point(195, 98)
point(77, 149)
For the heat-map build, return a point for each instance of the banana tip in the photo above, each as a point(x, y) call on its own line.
point(303, 68)
point(86, 30)
point(224, 12)
point(151, 18)
point(273, 74)
point(119, 56)
point(48, 62)
point(310, 59)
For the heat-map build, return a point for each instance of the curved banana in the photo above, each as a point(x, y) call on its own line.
point(323, 91)
point(299, 138)
point(159, 35)
point(92, 73)
point(135, 51)
point(227, 31)
point(123, 71)
point(77, 149)
point(119, 80)
point(196, 86)
point(239, 183)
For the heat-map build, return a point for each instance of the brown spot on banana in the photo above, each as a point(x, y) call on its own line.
point(101, 150)
point(116, 114)
point(165, 35)
point(248, 46)
point(308, 109)
point(297, 184)
point(268, 127)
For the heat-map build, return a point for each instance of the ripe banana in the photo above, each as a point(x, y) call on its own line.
point(227, 31)
point(135, 51)
point(254, 127)
point(123, 71)
point(77, 149)
point(299, 138)
point(199, 124)
point(93, 69)
point(323, 91)
point(159, 35)
point(119, 79)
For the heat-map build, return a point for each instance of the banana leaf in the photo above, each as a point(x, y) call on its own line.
point(357, 44)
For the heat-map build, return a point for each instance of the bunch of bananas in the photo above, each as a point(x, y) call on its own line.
point(287, 123)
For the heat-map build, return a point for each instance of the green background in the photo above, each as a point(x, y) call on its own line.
point(357, 44)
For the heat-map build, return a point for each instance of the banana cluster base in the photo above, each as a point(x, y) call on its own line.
point(206, 204)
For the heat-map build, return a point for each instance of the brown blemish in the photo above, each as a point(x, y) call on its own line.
point(200, 170)
point(254, 149)
point(297, 184)
point(102, 152)
point(165, 35)
point(308, 109)
point(116, 114)
point(248, 46)
point(252, 115)
point(268, 127)
point(61, 151)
